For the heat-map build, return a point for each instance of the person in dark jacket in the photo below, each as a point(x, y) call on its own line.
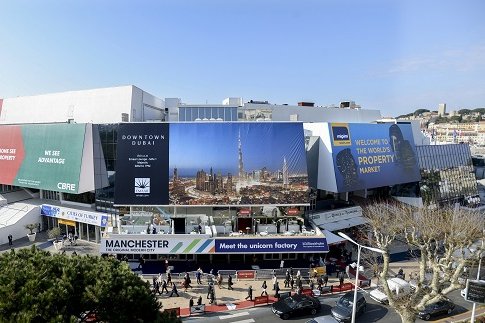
point(164, 286)
point(250, 293)
point(174, 290)
point(277, 290)
point(263, 287)
point(229, 283)
point(325, 280)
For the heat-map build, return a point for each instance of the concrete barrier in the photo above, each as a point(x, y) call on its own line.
point(175, 311)
point(261, 300)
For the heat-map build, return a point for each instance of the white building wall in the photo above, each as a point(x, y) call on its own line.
point(326, 170)
point(172, 105)
point(90, 106)
point(317, 114)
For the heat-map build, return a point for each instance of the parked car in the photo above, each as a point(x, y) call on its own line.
point(398, 287)
point(296, 305)
point(343, 311)
point(444, 306)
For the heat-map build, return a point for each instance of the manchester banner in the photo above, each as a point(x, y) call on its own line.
point(43, 156)
point(204, 244)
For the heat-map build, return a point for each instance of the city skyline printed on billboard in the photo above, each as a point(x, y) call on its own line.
point(238, 164)
point(42, 156)
point(373, 155)
point(211, 164)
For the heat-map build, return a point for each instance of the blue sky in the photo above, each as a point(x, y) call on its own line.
point(395, 56)
point(201, 146)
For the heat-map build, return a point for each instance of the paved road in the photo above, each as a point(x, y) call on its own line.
point(375, 313)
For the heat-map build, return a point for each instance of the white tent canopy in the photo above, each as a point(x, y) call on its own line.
point(332, 238)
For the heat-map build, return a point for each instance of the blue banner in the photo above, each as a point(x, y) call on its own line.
point(273, 245)
point(373, 155)
point(89, 217)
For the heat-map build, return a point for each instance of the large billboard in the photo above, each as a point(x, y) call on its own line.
point(42, 156)
point(142, 164)
point(211, 164)
point(203, 244)
point(373, 155)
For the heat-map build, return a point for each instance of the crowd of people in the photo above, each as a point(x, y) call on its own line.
point(293, 280)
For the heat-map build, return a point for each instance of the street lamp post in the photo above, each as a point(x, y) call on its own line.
point(359, 248)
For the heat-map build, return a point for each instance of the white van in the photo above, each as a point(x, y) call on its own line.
point(398, 287)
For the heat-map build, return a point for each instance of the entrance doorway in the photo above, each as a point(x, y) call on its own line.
point(179, 225)
point(244, 225)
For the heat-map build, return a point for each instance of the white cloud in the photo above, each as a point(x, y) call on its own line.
point(462, 60)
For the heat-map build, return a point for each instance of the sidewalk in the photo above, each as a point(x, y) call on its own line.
point(226, 300)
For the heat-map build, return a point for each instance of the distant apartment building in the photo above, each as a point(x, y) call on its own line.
point(442, 109)
point(473, 133)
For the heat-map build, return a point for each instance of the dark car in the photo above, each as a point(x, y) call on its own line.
point(343, 311)
point(296, 305)
point(439, 308)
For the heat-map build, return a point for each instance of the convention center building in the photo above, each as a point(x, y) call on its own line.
point(250, 183)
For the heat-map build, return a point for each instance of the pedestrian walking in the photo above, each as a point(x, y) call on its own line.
point(277, 290)
point(287, 278)
point(325, 279)
point(164, 286)
point(212, 297)
point(250, 293)
point(275, 281)
point(10, 240)
point(157, 288)
point(191, 302)
point(341, 279)
point(292, 283)
point(199, 300)
point(219, 280)
point(174, 290)
point(169, 278)
point(154, 281)
point(229, 283)
point(320, 283)
point(209, 290)
point(263, 287)
point(198, 275)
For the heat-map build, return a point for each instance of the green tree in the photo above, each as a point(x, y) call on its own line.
point(420, 111)
point(36, 286)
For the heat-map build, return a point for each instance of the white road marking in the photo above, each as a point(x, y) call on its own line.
point(245, 321)
point(231, 316)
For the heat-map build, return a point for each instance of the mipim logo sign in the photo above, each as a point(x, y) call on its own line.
point(341, 134)
point(142, 185)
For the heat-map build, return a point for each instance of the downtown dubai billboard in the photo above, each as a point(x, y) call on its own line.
point(211, 164)
point(42, 156)
point(372, 155)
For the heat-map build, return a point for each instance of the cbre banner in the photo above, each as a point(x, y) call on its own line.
point(233, 163)
point(373, 155)
point(42, 156)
